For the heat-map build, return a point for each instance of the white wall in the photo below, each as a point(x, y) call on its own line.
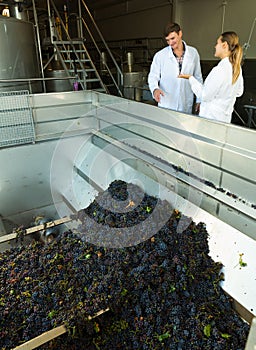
point(134, 19)
point(203, 21)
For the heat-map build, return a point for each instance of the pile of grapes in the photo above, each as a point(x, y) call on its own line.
point(162, 293)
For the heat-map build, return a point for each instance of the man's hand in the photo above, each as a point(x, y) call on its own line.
point(157, 94)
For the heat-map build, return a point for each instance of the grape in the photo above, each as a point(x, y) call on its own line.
point(163, 293)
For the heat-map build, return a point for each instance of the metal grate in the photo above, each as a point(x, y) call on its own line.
point(16, 121)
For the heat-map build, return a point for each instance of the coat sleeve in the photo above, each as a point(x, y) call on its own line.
point(154, 74)
point(196, 87)
point(211, 85)
point(240, 82)
point(216, 78)
point(197, 73)
point(197, 70)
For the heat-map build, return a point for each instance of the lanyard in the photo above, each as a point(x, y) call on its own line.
point(180, 59)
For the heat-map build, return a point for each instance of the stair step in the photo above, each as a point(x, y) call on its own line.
point(77, 70)
point(92, 80)
point(67, 42)
point(80, 60)
point(99, 90)
point(110, 85)
point(90, 70)
point(73, 51)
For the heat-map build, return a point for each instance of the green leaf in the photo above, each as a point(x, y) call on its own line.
point(163, 336)
point(124, 292)
point(148, 209)
point(172, 288)
point(207, 330)
point(225, 335)
point(52, 313)
point(241, 262)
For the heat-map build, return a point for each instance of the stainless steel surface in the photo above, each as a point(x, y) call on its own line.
point(16, 122)
point(84, 140)
point(130, 61)
point(25, 169)
point(185, 152)
point(103, 60)
point(58, 84)
point(133, 79)
point(221, 154)
point(251, 341)
point(17, 10)
point(18, 55)
point(133, 82)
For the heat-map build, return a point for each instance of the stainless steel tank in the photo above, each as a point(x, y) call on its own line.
point(133, 82)
point(17, 10)
point(18, 56)
point(59, 81)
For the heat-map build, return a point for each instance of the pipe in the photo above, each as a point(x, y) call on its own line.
point(39, 43)
point(247, 45)
point(103, 40)
point(80, 26)
point(224, 4)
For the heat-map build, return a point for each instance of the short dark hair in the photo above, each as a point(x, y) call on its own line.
point(171, 27)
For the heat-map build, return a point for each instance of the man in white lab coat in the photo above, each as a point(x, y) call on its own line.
point(167, 89)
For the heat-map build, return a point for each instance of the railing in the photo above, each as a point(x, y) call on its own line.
point(119, 72)
point(29, 82)
point(59, 32)
point(55, 35)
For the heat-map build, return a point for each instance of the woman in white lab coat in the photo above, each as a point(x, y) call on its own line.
point(169, 91)
point(224, 83)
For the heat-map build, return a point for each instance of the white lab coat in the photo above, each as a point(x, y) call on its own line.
point(218, 94)
point(164, 73)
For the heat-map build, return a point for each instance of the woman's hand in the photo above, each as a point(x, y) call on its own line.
point(184, 76)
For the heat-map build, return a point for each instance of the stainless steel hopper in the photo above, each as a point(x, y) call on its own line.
point(84, 140)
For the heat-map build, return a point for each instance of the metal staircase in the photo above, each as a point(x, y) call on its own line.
point(77, 62)
point(81, 69)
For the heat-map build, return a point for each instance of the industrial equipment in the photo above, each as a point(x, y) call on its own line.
point(19, 61)
point(79, 142)
point(59, 150)
point(134, 79)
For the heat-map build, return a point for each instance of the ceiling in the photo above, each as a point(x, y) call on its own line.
point(92, 4)
point(103, 3)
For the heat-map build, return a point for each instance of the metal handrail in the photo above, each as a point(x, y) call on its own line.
point(251, 340)
point(71, 43)
point(38, 41)
point(50, 3)
point(120, 73)
point(30, 80)
point(33, 79)
point(105, 64)
point(63, 28)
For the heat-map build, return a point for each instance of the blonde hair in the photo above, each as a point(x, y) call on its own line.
point(236, 52)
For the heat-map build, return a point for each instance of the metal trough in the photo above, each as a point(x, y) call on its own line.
point(84, 140)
